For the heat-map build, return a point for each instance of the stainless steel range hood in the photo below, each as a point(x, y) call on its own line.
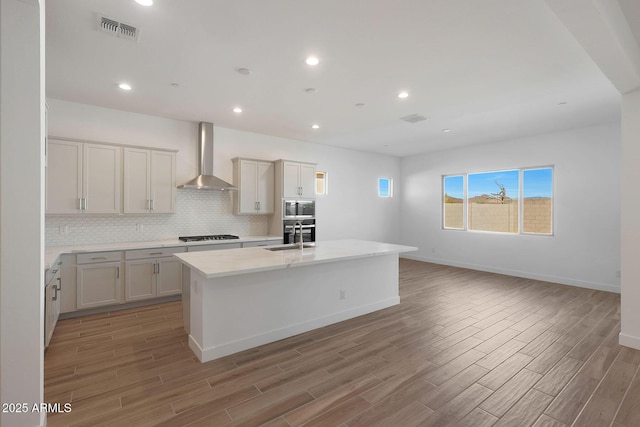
point(205, 180)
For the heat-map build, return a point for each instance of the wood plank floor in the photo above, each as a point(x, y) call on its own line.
point(463, 348)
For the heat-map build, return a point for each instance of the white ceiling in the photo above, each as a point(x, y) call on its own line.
point(488, 70)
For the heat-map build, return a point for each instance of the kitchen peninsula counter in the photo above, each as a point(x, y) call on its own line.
point(243, 298)
point(232, 262)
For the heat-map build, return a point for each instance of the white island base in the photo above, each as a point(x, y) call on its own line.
point(285, 294)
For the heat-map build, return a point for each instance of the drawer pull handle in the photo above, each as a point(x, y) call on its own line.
point(99, 257)
point(156, 253)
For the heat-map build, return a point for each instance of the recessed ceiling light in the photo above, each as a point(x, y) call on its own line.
point(403, 95)
point(446, 130)
point(311, 90)
point(237, 110)
point(174, 84)
point(360, 104)
point(124, 86)
point(312, 60)
point(145, 2)
point(562, 103)
point(315, 126)
point(243, 71)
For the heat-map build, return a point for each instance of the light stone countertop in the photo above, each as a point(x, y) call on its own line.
point(232, 262)
point(51, 254)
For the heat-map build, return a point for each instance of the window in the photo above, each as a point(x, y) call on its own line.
point(321, 183)
point(537, 212)
point(453, 202)
point(509, 201)
point(385, 187)
point(492, 201)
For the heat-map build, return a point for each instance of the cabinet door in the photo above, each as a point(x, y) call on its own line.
point(48, 313)
point(308, 181)
point(248, 190)
point(56, 303)
point(140, 280)
point(290, 180)
point(98, 284)
point(137, 186)
point(63, 177)
point(266, 183)
point(169, 277)
point(101, 178)
point(163, 182)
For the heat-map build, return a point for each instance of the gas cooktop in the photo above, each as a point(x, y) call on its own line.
point(210, 237)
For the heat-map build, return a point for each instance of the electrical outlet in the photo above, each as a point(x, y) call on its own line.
point(343, 294)
point(63, 229)
point(617, 273)
point(139, 227)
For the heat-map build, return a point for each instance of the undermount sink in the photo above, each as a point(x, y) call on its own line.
point(289, 247)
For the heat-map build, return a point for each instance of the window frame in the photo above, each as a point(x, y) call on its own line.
point(325, 183)
point(464, 204)
point(521, 172)
point(390, 188)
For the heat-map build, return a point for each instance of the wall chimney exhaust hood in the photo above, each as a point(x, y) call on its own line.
point(205, 180)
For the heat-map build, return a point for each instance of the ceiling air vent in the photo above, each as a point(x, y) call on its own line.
point(413, 118)
point(118, 29)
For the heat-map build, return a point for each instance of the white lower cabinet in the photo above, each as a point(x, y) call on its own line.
point(52, 297)
point(141, 280)
point(152, 273)
point(98, 279)
point(169, 277)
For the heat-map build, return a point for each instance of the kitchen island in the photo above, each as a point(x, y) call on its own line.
point(243, 298)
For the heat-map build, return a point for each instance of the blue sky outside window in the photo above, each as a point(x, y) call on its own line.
point(384, 187)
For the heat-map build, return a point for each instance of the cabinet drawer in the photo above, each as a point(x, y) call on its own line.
point(219, 246)
point(52, 275)
point(93, 257)
point(152, 253)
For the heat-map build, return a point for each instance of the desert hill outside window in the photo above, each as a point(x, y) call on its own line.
point(517, 201)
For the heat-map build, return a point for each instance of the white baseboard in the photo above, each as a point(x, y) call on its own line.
point(527, 275)
point(225, 349)
point(629, 341)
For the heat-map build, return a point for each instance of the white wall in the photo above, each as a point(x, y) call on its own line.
point(350, 210)
point(630, 174)
point(21, 207)
point(585, 248)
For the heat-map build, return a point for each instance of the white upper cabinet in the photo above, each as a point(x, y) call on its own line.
point(163, 181)
point(149, 181)
point(255, 182)
point(82, 178)
point(64, 177)
point(298, 180)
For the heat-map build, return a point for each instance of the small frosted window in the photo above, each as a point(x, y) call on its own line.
point(385, 187)
point(321, 183)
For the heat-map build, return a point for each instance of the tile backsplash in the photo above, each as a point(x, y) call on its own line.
point(197, 212)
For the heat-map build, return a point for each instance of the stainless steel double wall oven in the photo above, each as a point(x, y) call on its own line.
point(303, 211)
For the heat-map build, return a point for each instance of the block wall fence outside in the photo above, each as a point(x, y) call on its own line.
point(537, 216)
point(493, 217)
point(197, 212)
